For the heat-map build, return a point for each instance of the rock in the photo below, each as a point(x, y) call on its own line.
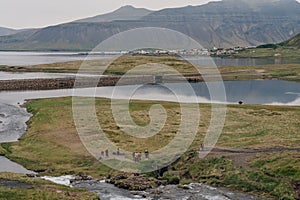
point(185, 187)
point(83, 177)
point(31, 175)
point(134, 181)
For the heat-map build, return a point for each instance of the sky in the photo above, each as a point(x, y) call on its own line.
point(40, 13)
point(20, 14)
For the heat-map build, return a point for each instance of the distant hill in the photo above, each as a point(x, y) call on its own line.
point(224, 23)
point(123, 13)
point(293, 42)
point(7, 31)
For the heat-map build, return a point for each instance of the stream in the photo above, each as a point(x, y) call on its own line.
point(193, 191)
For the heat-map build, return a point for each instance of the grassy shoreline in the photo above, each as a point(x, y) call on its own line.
point(289, 72)
point(279, 53)
point(19, 187)
point(52, 146)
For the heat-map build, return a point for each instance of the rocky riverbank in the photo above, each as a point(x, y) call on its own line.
point(138, 182)
point(193, 191)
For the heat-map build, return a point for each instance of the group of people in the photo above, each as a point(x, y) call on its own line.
point(104, 154)
point(137, 156)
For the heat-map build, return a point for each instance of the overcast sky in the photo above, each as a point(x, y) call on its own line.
point(41, 13)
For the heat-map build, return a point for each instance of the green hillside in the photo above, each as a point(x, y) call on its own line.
point(293, 42)
point(287, 49)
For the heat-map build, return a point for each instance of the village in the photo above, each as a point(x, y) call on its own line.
point(191, 52)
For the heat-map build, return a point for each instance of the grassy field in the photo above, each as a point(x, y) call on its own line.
point(52, 146)
point(288, 72)
point(107, 66)
point(23, 187)
point(120, 66)
point(286, 52)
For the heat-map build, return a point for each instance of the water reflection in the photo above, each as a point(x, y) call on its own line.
point(250, 92)
point(36, 58)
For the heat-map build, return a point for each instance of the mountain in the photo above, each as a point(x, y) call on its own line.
point(224, 23)
point(7, 31)
point(234, 22)
point(123, 13)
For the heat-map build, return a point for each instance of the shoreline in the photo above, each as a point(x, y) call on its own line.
point(288, 72)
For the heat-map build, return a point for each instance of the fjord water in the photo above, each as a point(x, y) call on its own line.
point(28, 75)
point(12, 58)
point(272, 92)
point(36, 58)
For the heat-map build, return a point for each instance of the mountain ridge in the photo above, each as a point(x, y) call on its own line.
point(224, 23)
point(124, 13)
point(7, 31)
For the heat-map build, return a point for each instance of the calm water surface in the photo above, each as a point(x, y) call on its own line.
point(250, 92)
point(35, 58)
point(27, 75)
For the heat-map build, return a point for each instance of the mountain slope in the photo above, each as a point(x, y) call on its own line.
point(222, 24)
point(234, 22)
point(7, 31)
point(293, 42)
point(123, 13)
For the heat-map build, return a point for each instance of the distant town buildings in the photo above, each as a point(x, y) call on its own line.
point(183, 52)
point(191, 52)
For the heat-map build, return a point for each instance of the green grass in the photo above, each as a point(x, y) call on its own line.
point(39, 189)
point(283, 165)
point(52, 146)
point(285, 52)
point(5, 148)
point(289, 72)
point(221, 172)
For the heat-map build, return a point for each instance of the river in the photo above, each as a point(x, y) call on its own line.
point(197, 191)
